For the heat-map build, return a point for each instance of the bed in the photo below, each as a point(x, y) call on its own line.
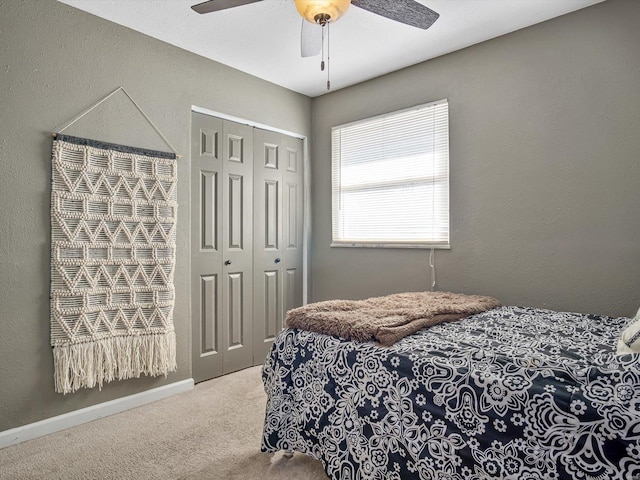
point(510, 393)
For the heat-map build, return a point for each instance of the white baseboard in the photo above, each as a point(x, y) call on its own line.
point(88, 414)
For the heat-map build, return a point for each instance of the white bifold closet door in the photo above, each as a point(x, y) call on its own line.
point(246, 229)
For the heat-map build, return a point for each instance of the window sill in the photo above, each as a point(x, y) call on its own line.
point(389, 245)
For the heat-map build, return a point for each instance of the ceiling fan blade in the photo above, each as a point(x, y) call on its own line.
point(408, 12)
point(216, 5)
point(310, 39)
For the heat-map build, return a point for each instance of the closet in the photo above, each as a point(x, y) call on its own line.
point(246, 241)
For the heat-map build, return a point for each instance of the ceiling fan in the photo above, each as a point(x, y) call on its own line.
point(324, 12)
point(321, 12)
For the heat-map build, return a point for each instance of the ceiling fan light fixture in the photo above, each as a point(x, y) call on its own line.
point(322, 11)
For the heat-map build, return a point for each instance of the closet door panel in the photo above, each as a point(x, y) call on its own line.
point(237, 246)
point(293, 221)
point(267, 253)
point(209, 319)
point(206, 252)
point(272, 308)
point(292, 287)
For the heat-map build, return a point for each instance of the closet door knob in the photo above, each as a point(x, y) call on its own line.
point(277, 260)
point(227, 262)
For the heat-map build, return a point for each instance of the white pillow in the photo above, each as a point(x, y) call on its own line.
point(630, 337)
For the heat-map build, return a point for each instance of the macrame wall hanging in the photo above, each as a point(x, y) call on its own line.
point(113, 246)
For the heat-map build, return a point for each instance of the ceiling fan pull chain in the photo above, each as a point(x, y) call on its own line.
point(328, 56)
point(322, 60)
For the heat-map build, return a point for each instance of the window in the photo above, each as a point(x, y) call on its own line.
point(390, 179)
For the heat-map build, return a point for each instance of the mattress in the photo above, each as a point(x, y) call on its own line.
point(511, 393)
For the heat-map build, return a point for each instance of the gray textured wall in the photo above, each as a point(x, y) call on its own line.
point(545, 168)
point(55, 62)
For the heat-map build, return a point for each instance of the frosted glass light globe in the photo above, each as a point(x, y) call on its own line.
point(322, 11)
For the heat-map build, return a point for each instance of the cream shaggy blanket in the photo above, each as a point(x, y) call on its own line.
point(386, 319)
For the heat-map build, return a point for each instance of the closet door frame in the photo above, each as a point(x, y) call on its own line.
point(196, 277)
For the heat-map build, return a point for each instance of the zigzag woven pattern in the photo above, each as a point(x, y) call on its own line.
point(113, 231)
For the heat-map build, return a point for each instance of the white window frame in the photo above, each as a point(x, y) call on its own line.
point(437, 233)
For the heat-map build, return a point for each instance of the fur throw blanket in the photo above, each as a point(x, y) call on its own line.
point(386, 319)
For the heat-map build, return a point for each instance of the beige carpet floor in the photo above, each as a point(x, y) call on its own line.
point(211, 432)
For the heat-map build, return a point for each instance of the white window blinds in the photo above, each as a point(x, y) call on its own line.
point(390, 179)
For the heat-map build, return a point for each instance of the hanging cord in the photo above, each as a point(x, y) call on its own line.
point(136, 105)
point(322, 61)
point(328, 56)
point(432, 265)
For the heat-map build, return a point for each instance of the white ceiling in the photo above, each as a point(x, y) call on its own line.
point(263, 39)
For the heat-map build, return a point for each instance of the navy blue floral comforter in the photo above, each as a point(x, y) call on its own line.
point(512, 393)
